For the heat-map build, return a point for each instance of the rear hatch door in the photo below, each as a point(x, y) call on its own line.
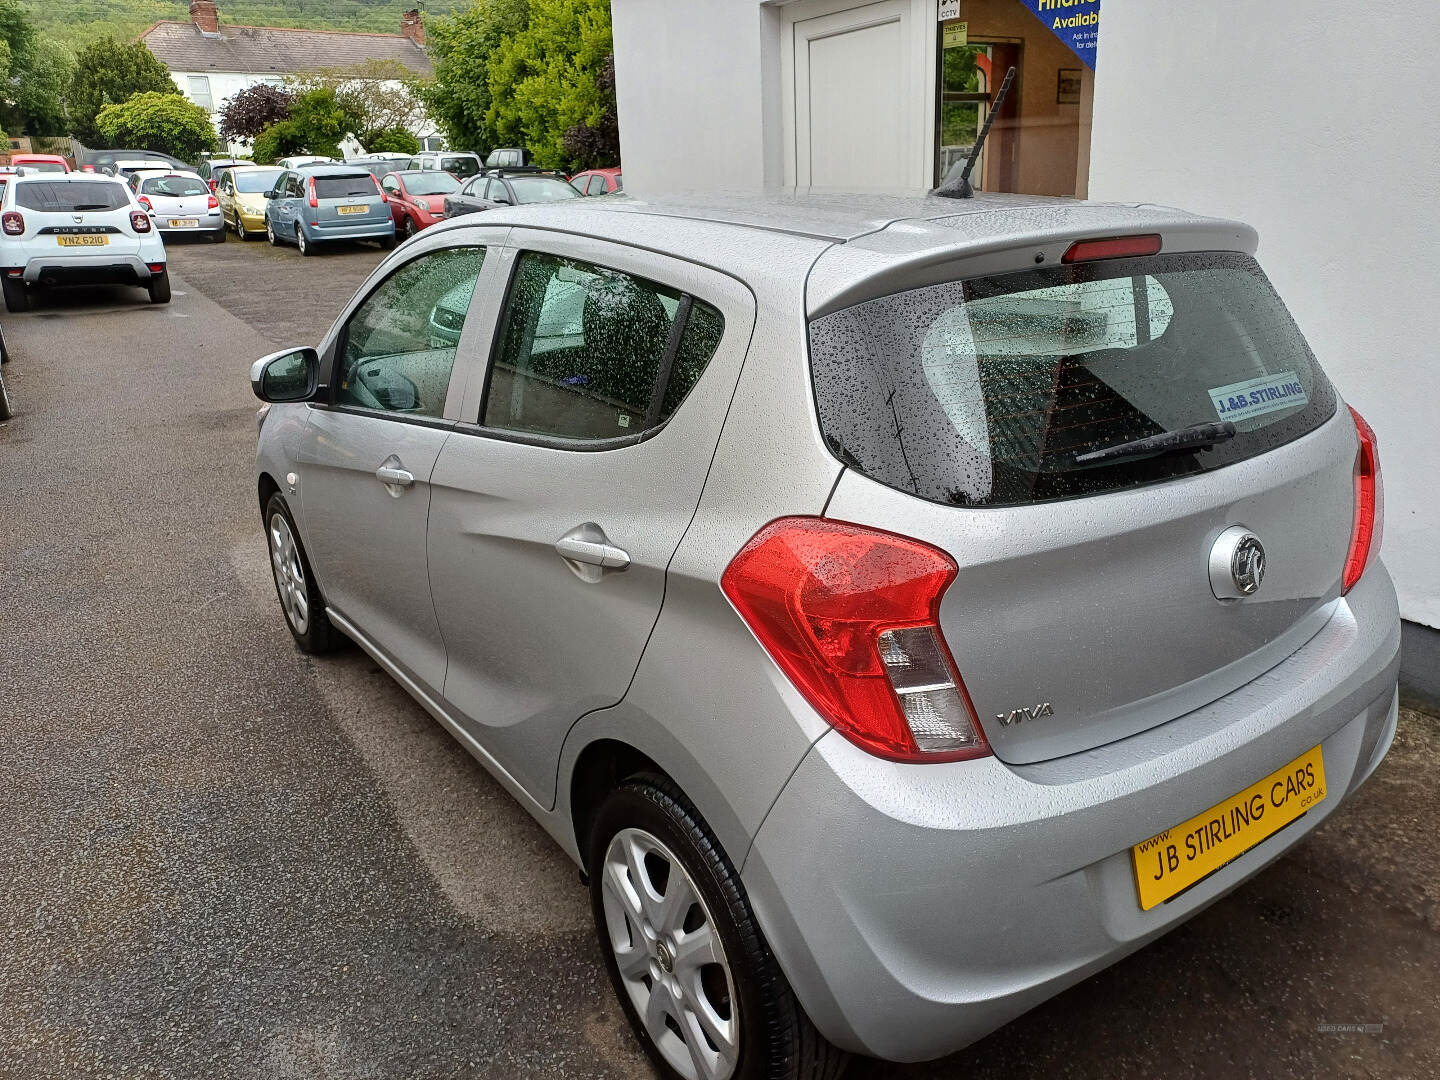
point(1086, 608)
point(351, 199)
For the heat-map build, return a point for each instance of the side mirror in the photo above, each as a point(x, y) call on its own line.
point(270, 194)
point(289, 375)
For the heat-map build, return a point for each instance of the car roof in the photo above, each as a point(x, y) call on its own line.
point(249, 165)
point(37, 157)
point(329, 168)
point(879, 232)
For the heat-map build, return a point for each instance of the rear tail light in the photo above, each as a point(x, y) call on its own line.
point(383, 197)
point(144, 200)
point(12, 222)
point(1369, 506)
point(1112, 247)
point(851, 616)
point(212, 202)
point(139, 221)
point(310, 190)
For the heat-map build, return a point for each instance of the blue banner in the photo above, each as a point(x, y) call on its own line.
point(1075, 22)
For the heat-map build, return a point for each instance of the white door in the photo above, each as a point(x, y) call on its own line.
point(861, 110)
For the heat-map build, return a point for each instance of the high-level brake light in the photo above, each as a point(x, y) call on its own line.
point(1369, 521)
point(851, 616)
point(1112, 247)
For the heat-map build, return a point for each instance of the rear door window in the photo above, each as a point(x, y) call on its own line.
point(591, 353)
point(993, 391)
point(72, 195)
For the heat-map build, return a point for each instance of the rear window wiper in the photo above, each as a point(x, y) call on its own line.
point(90, 206)
point(1196, 437)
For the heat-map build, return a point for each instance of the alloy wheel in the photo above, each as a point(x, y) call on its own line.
point(289, 573)
point(300, 241)
point(240, 232)
point(670, 957)
point(270, 233)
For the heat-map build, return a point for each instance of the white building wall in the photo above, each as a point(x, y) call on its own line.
point(1318, 121)
point(696, 95)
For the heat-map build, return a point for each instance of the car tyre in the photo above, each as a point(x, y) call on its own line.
point(270, 233)
point(407, 227)
point(295, 586)
point(387, 243)
point(305, 246)
point(17, 296)
point(240, 233)
point(729, 1004)
point(159, 288)
point(6, 409)
point(217, 236)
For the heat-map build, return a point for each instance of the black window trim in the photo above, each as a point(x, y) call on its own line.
point(678, 327)
point(327, 387)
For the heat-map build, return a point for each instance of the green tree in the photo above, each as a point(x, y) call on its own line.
point(549, 80)
point(42, 87)
point(165, 122)
point(396, 140)
point(108, 73)
point(382, 95)
point(461, 47)
point(318, 120)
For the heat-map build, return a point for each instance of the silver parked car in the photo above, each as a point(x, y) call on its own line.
point(179, 202)
point(898, 608)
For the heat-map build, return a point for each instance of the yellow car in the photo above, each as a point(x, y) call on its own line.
point(242, 197)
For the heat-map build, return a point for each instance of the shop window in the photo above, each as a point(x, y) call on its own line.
point(1039, 143)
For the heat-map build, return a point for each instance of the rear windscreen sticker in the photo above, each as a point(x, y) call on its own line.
point(1255, 397)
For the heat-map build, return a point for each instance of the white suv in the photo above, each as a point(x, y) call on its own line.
point(76, 229)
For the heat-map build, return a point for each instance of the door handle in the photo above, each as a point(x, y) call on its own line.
point(399, 477)
point(592, 552)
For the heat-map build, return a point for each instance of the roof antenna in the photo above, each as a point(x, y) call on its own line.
point(960, 188)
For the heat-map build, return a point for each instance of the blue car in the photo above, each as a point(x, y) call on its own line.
point(319, 203)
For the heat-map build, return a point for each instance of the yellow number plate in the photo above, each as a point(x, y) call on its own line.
point(82, 241)
point(1172, 861)
point(354, 209)
point(184, 222)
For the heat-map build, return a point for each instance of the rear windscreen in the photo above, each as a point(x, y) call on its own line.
point(461, 166)
point(174, 186)
point(72, 195)
point(361, 185)
point(430, 183)
point(992, 391)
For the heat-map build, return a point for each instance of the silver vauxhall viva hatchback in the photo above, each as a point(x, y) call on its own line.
point(899, 608)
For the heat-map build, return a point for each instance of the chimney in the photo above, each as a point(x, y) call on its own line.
point(205, 16)
point(411, 27)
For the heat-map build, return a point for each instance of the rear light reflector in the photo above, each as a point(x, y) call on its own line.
point(1112, 247)
point(139, 221)
point(157, 268)
point(1369, 521)
point(851, 616)
point(12, 222)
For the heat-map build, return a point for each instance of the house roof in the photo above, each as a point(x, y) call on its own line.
point(266, 50)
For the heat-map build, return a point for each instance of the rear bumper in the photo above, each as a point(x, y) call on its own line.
point(98, 269)
point(213, 221)
point(344, 230)
point(917, 908)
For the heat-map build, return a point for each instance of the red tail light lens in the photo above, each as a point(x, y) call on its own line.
point(310, 190)
point(851, 615)
point(144, 200)
point(1112, 247)
point(1369, 506)
point(383, 197)
point(139, 221)
point(12, 222)
point(213, 202)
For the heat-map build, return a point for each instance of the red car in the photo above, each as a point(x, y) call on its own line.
point(598, 181)
point(417, 198)
point(41, 162)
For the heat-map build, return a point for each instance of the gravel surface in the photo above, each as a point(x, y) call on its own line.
point(224, 859)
